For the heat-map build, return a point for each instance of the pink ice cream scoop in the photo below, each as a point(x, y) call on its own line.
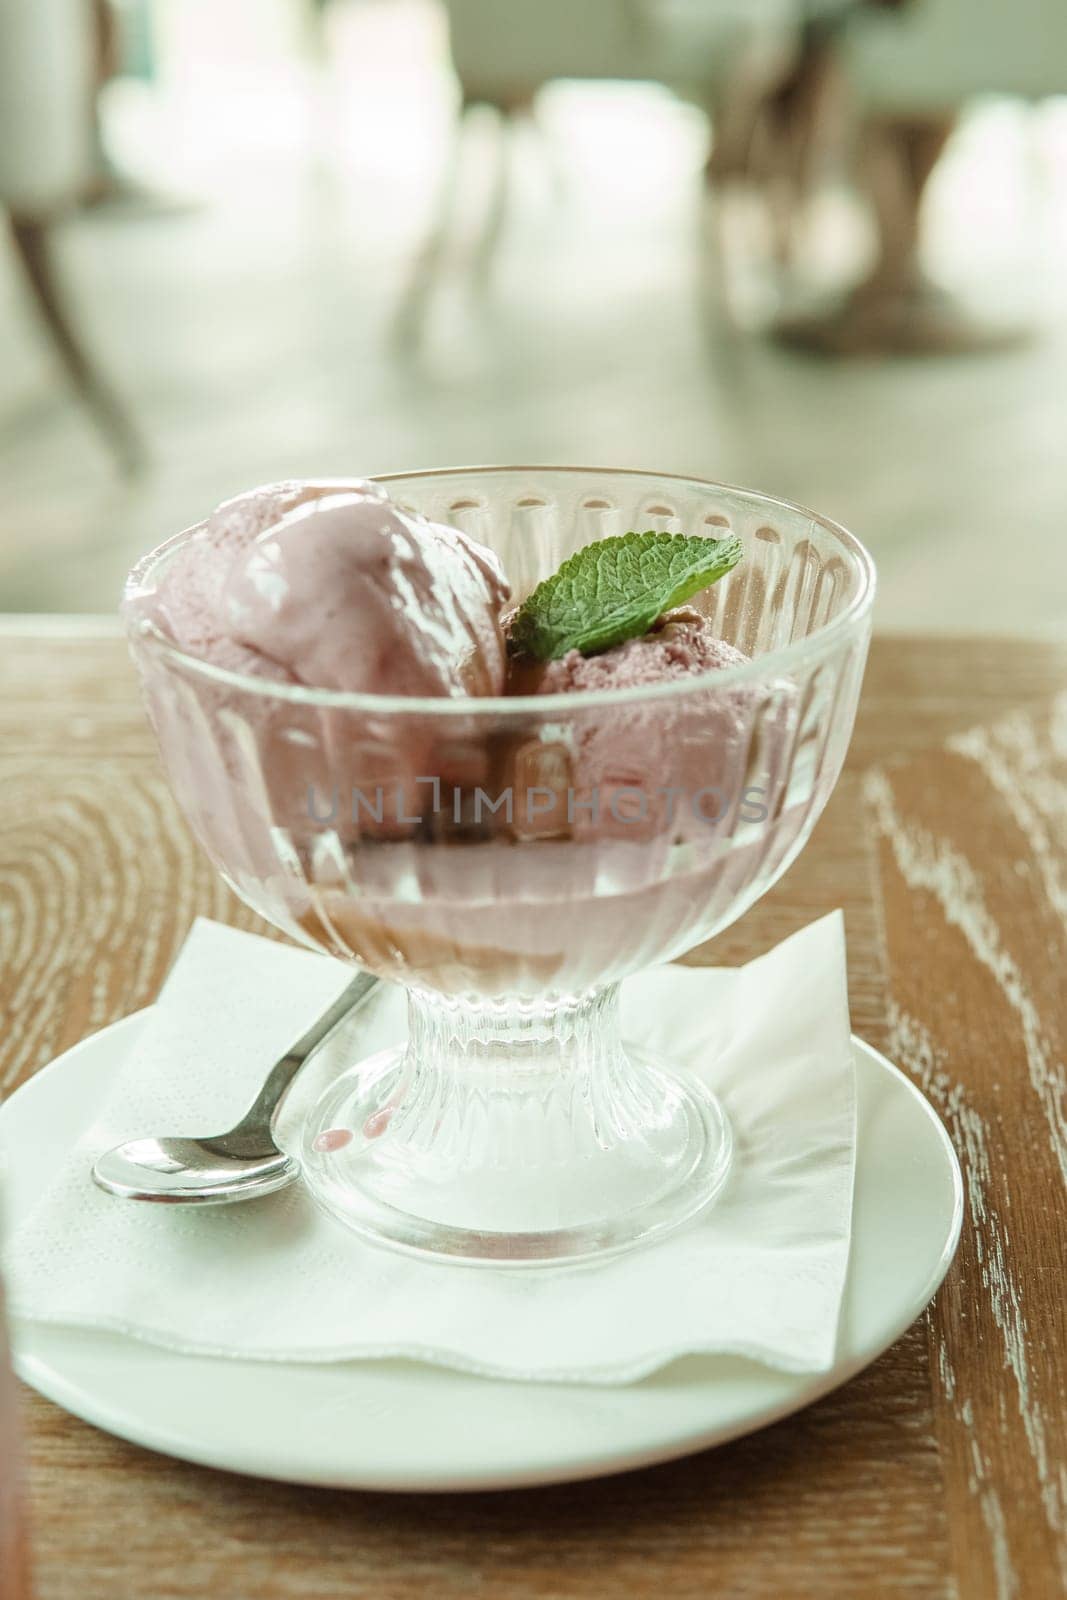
point(331, 586)
point(679, 644)
point(654, 769)
point(349, 592)
point(187, 602)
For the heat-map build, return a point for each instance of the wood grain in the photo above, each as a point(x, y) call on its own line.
point(939, 1472)
point(973, 847)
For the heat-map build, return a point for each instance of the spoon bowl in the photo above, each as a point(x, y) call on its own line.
point(224, 1167)
point(191, 1171)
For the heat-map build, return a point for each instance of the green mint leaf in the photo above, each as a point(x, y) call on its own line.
point(615, 589)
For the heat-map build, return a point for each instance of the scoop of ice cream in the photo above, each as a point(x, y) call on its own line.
point(643, 770)
point(349, 592)
point(187, 602)
point(240, 763)
point(679, 644)
point(364, 598)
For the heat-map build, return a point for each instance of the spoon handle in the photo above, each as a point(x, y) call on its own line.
point(260, 1115)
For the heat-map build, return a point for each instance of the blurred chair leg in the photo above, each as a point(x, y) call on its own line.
point(410, 315)
point(900, 160)
point(715, 298)
point(488, 241)
point(732, 263)
point(316, 32)
point(555, 157)
point(33, 246)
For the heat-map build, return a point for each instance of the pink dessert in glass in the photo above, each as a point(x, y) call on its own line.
point(364, 745)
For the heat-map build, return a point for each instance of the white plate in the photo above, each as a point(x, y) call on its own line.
point(399, 1425)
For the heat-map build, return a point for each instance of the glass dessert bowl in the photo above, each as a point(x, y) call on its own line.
point(510, 858)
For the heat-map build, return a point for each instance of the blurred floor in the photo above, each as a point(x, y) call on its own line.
point(251, 333)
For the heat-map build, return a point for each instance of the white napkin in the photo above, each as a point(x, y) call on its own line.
point(760, 1275)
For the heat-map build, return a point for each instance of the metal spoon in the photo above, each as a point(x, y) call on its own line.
point(241, 1164)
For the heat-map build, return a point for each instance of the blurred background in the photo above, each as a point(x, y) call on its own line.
point(815, 248)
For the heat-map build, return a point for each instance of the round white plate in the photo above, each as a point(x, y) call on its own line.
point(399, 1425)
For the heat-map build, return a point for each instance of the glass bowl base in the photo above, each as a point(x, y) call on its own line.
point(491, 1167)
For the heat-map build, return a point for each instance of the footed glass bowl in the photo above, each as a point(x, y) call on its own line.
point(509, 861)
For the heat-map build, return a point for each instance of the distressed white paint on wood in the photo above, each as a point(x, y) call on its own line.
point(930, 862)
point(973, 843)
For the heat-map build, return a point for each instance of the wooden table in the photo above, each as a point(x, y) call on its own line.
point(940, 1471)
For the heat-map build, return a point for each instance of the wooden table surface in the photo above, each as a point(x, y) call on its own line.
point(940, 1471)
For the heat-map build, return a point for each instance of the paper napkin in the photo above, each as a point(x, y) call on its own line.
point(761, 1274)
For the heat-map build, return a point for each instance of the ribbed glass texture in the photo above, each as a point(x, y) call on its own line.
point(666, 813)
